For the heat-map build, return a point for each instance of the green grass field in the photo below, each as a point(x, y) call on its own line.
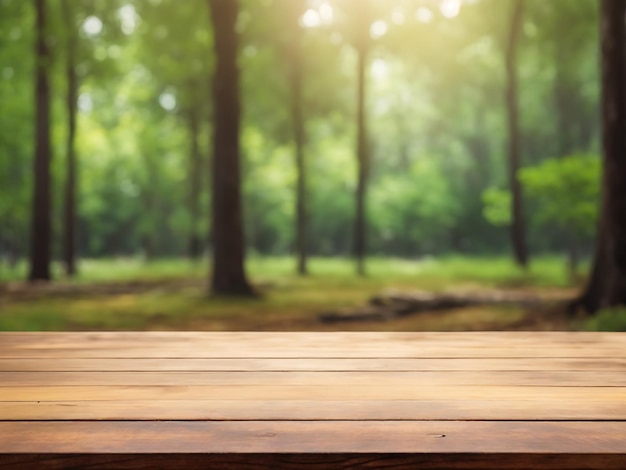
point(546, 271)
point(173, 294)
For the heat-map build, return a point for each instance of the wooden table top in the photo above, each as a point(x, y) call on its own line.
point(551, 400)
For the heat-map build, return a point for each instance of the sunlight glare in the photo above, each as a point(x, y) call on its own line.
point(129, 18)
point(326, 13)
point(398, 16)
point(450, 8)
point(167, 101)
point(311, 19)
point(85, 102)
point(92, 26)
point(379, 29)
point(424, 15)
point(380, 70)
point(320, 14)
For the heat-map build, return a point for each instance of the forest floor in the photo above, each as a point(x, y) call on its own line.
point(172, 295)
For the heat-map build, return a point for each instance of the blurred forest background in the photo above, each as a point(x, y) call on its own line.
point(383, 144)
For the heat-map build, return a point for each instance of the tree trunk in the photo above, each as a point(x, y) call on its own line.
point(297, 116)
point(593, 298)
point(518, 226)
point(41, 229)
point(363, 158)
point(607, 284)
point(228, 240)
point(195, 173)
point(69, 219)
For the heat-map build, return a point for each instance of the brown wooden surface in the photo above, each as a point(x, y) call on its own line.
point(313, 400)
point(431, 461)
point(313, 345)
point(312, 437)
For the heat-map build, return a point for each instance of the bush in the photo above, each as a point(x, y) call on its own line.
point(608, 320)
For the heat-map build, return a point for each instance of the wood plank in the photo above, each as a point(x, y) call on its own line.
point(472, 437)
point(68, 336)
point(184, 351)
point(348, 379)
point(144, 461)
point(299, 345)
point(319, 338)
point(305, 364)
point(314, 400)
point(377, 391)
point(300, 410)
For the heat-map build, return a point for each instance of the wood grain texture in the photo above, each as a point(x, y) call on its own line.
point(484, 337)
point(419, 437)
point(523, 461)
point(588, 378)
point(313, 400)
point(375, 391)
point(311, 345)
point(74, 364)
point(297, 410)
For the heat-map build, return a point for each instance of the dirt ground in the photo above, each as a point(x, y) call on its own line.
point(179, 304)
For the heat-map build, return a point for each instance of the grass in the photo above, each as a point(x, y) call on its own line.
point(114, 270)
point(289, 301)
point(544, 271)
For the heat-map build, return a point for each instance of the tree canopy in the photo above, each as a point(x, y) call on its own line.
point(436, 116)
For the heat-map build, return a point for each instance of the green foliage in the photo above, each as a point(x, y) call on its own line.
point(16, 147)
point(567, 191)
point(415, 212)
point(497, 206)
point(608, 320)
point(435, 115)
point(268, 193)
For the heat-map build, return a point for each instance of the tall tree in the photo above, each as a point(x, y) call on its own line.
point(607, 284)
point(362, 43)
point(69, 203)
point(41, 229)
point(228, 241)
point(296, 8)
point(518, 226)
